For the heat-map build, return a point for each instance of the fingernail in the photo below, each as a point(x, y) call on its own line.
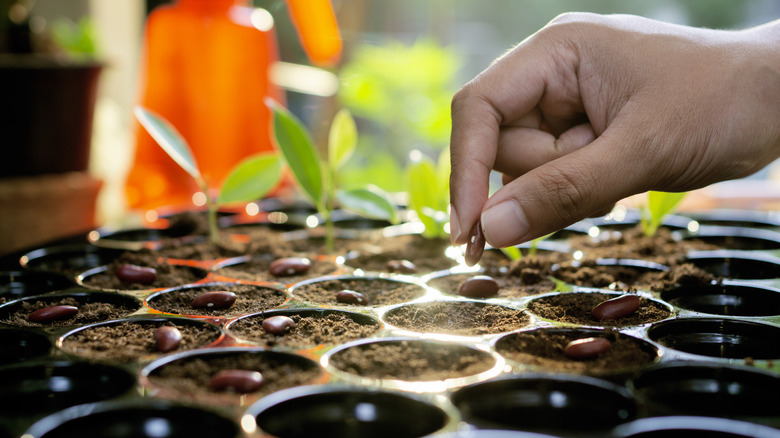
point(475, 246)
point(454, 225)
point(504, 224)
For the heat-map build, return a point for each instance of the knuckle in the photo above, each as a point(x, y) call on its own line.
point(566, 194)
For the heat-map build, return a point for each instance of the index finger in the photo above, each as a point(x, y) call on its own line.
point(505, 91)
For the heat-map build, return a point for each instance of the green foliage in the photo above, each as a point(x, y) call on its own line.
point(659, 204)
point(428, 187)
point(77, 39)
point(250, 180)
point(515, 253)
point(403, 93)
point(297, 148)
point(312, 174)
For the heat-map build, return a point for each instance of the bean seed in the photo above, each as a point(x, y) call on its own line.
point(167, 338)
point(289, 266)
point(475, 246)
point(136, 274)
point(479, 286)
point(351, 297)
point(616, 308)
point(586, 348)
point(240, 381)
point(214, 300)
point(53, 313)
point(401, 266)
point(278, 325)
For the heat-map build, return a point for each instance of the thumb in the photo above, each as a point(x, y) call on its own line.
point(561, 192)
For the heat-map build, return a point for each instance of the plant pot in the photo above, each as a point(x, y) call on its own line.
point(48, 107)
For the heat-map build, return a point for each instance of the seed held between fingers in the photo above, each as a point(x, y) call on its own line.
point(476, 245)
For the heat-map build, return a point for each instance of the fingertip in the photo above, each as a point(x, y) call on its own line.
point(455, 230)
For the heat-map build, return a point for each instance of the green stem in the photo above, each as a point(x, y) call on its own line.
point(212, 218)
point(330, 205)
point(211, 212)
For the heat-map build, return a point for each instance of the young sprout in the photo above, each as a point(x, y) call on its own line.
point(317, 178)
point(514, 253)
point(428, 186)
point(249, 180)
point(659, 204)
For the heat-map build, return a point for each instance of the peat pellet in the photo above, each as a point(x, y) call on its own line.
point(278, 325)
point(616, 308)
point(240, 381)
point(136, 274)
point(167, 338)
point(214, 300)
point(351, 297)
point(586, 348)
point(288, 266)
point(401, 266)
point(479, 286)
point(53, 313)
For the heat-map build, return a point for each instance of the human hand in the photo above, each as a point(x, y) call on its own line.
point(592, 109)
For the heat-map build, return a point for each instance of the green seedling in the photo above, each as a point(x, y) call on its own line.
point(659, 204)
point(317, 178)
point(250, 180)
point(515, 253)
point(428, 187)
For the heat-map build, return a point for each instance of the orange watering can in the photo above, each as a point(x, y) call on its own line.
point(205, 67)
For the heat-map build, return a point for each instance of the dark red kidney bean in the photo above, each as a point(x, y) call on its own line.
point(476, 245)
point(240, 381)
point(278, 325)
point(351, 297)
point(288, 266)
point(136, 274)
point(214, 300)
point(616, 308)
point(53, 313)
point(167, 338)
point(586, 348)
point(401, 266)
point(479, 286)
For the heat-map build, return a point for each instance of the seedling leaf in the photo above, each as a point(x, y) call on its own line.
point(512, 252)
point(659, 204)
point(342, 139)
point(370, 201)
point(297, 148)
point(251, 179)
point(170, 140)
point(425, 196)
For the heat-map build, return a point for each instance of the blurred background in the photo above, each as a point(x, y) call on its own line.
point(400, 63)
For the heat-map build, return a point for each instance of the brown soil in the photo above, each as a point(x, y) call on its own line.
point(131, 341)
point(310, 330)
point(168, 275)
point(422, 361)
point(543, 350)
point(89, 312)
point(509, 286)
point(426, 254)
point(249, 299)
point(457, 318)
point(192, 374)
point(576, 307)
point(256, 269)
point(379, 291)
